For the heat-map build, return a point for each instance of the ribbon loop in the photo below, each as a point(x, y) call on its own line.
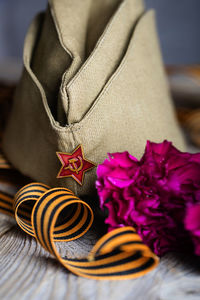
point(72, 224)
point(52, 215)
point(24, 202)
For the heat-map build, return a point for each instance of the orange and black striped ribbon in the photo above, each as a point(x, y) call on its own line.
point(52, 215)
point(4, 164)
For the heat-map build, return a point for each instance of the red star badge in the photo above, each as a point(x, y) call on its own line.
point(74, 164)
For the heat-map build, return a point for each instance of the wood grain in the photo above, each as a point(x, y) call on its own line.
point(29, 272)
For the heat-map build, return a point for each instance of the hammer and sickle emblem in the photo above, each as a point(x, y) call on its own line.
point(73, 164)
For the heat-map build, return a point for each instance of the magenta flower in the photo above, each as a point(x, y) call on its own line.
point(192, 223)
point(151, 194)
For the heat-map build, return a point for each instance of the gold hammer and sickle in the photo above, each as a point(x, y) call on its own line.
point(73, 166)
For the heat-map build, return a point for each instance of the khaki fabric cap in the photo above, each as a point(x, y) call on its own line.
point(93, 76)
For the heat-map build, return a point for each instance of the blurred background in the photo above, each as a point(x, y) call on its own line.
point(178, 23)
point(178, 26)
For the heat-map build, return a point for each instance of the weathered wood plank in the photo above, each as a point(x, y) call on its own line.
point(28, 272)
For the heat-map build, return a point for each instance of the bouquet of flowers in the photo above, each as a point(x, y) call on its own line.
point(159, 195)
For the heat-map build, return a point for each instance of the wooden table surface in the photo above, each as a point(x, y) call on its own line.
point(28, 272)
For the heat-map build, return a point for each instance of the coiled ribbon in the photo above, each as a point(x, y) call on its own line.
point(57, 215)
